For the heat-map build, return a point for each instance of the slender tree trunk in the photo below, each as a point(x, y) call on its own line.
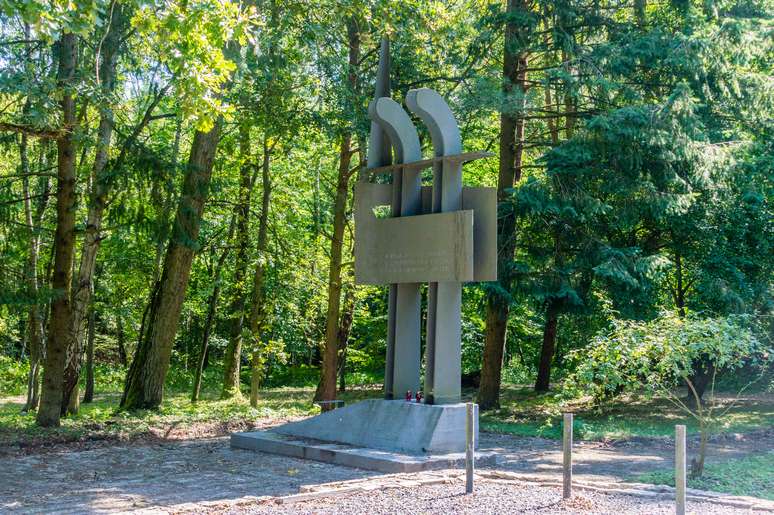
point(511, 151)
point(121, 340)
point(257, 308)
point(569, 100)
point(547, 351)
point(166, 208)
point(88, 394)
point(680, 287)
point(212, 306)
point(60, 328)
point(34, 327)
point(326, 390)
point(697, 464)
point(345, 327)
point(639, 12)
point(233, 355)
point(145, 380)
point(34, 322)
point(703, 368)
point(81, 296)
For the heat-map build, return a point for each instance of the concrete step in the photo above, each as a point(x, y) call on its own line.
point(352, 456)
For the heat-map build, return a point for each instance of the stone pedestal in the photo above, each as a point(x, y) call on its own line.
point(388, 425)
point(376, 434)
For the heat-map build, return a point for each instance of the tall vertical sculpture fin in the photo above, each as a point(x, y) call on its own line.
point(378, 144)
point(444, 300)
point(379, 155)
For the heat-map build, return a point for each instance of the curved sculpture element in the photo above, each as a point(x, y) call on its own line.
point(402, 366)
point(436, 114)
point(397, 124)
point(444, 301)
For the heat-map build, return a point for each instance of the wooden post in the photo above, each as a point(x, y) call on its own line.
point(680, 469)
point(567, 458)
point(470, 446)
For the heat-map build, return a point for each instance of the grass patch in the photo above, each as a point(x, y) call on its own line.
point(177, 416)
point(751, 475)
point(525, 413)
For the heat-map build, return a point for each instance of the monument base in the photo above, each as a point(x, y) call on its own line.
point(351, 456)
point(388, 436)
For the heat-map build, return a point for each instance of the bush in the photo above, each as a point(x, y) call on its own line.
point(13, 376)
point(660, 354)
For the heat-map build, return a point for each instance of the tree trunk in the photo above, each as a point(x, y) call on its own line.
point(163, 219)
point(231, 382)
point(257, 309)
point(145, 380)
point(703, 368)
point(212, 305)
point(547, 351)
point(121, 340)
point(697, 464)
point(327, 388)
point(680, 288)
point(34, 328)
point(34, 322)
point(700, 378)
point(60, 326)
point(511, 151)
point(639, 12)
point(81, 295)
point(88, 395)
point(345, 327)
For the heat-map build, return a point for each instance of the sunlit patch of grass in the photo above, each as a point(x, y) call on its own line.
point(102, 420)
point(751, 475)
point(525, 413)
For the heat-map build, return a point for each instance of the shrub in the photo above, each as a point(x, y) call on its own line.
point(658, 355)
point(13, 376)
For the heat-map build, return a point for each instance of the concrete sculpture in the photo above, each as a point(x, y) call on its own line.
point(443, 234)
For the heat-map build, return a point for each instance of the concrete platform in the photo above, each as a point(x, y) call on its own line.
point(351, 456)
point(395, 426)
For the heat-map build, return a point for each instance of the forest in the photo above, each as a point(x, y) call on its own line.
point(177, 178)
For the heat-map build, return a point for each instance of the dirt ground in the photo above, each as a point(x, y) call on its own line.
point(615, 460)
point(109, 476)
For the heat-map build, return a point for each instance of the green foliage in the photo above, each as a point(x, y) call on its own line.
point(50, 18)
point(661, 354)
point(13, 376)
point(525, 413)
point(646, 169)
point(190, 38)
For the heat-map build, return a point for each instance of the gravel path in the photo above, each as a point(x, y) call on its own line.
point(195, 475)
point(488, 498)
point(615, 460)
point(115, 478)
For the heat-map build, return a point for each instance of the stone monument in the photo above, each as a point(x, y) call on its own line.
point(442, 234)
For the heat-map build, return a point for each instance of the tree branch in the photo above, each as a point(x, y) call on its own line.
point(31, 131)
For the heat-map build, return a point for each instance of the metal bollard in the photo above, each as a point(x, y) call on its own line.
point(567, 457)
point(470, 446)
point(680, 469)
